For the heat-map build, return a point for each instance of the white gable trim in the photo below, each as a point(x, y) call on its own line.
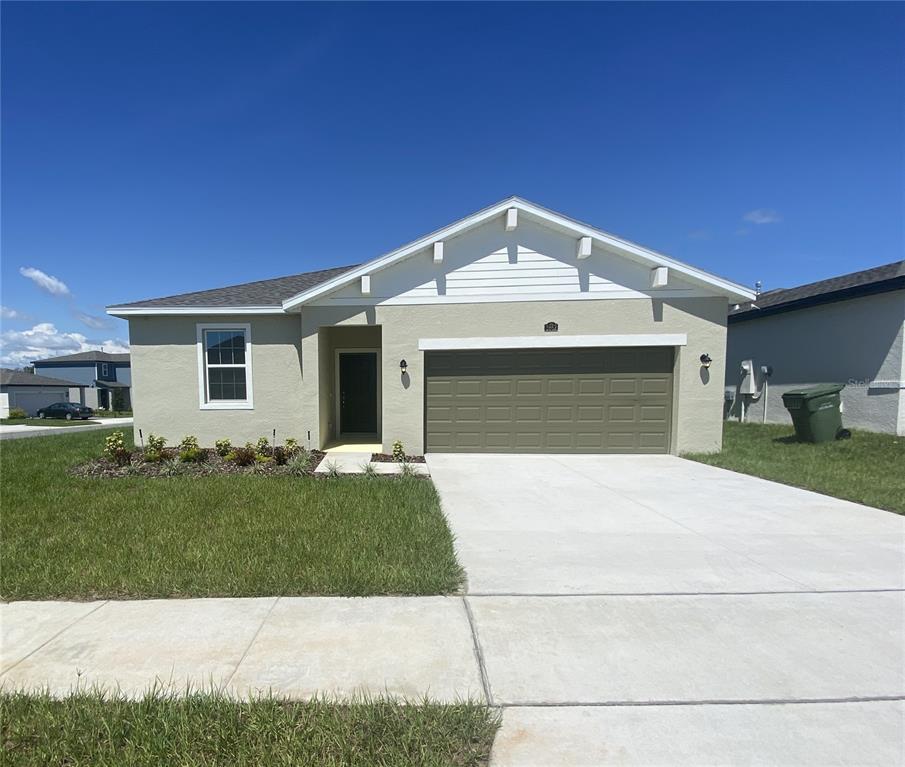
point(150, 311)
point(733, 291)
point(552, 341)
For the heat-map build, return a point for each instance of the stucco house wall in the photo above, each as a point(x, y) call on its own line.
point(165, 381)
point(858, 342)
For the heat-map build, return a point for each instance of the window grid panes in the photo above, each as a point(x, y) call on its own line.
point(224, 355)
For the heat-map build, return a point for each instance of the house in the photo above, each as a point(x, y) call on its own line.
point(31, 391)
point(848, 329)
point(513, 329)
point(106, 377)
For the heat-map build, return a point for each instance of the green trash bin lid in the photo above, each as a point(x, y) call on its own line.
point(809, 392)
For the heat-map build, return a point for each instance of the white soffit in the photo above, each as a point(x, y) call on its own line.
point(552, 341)
point(733, 291)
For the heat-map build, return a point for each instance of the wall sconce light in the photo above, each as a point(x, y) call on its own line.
point(403, 366)
point(705, 360)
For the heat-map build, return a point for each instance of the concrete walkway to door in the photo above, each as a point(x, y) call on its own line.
point(651, 610)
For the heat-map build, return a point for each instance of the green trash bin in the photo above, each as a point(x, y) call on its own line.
point(816, 412)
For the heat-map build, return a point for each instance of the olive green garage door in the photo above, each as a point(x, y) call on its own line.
point(608, 400)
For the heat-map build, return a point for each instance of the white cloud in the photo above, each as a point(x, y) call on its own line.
point(45, 281)
point(98, 323)
point(762, 216)
point(8, 313)
point(21, 347)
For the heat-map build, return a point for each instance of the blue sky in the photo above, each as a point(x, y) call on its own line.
point(150, 149)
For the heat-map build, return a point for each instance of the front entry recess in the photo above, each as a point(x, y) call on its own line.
point(357, 392)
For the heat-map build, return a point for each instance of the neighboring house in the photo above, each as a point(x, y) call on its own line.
point(31, 391)
point(107, 377)
point(515, 329)
point(848, 329)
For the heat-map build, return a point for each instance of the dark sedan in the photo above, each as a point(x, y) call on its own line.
point(68, 410)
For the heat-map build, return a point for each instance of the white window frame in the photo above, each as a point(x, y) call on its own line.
point(203, 402)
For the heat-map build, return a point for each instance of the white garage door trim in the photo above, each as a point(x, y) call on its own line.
point(552, 341)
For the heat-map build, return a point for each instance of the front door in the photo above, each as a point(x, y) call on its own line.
point(358, 392)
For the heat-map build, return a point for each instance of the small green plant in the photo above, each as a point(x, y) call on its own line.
point(189, 442)
point(223, 447)
point(115, 449)
point(407, 470)
point(300, 463)
point(398, 451)
point(17, 412)
point(243, 456)
point(263, 459)
point(281, 455)
point(154, 451)
point(173, 469)
point(192, 455)
point(332, 469)
point(368, 470)
point(263, 446)
point(292, 444)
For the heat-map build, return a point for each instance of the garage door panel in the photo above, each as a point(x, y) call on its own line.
point(562, 400)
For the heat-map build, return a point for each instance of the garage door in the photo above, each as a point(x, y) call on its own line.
point(612, 400)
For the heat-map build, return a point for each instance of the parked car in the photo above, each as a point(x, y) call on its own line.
point(67, 410)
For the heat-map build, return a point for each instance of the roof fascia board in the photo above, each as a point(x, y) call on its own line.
point(136, 311)
point(732, 290)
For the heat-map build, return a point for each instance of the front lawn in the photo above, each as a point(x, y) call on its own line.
point(42, 422)
point(869, 468)
point(210, 730)
point(65, 537)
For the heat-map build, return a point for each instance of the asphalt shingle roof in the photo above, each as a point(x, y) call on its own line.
point(88, 357)
point(877, 279)
point(20, 378)
point(261, 293)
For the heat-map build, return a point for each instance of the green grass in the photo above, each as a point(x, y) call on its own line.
point(42, 422)
point(208, 730)
point(63, 537)
point(869, 468)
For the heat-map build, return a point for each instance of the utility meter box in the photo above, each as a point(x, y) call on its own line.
point(748, 384)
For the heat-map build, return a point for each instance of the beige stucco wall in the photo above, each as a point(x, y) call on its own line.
point(858, 342)
point(293, 361)
point(698, 411)
point(165, 380)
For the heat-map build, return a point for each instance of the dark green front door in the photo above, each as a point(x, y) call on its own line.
point(358, 392)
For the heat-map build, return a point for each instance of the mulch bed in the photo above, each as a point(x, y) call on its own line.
point(171, 466)
point(387, 458)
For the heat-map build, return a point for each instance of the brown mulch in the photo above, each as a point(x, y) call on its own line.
point(171, 466)
point(387, 458)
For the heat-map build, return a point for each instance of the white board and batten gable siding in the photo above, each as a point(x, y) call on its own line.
point(528, 263)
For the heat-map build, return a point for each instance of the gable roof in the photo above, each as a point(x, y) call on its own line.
point(879, 279)
point(21, 378)
point(282, 294)
point(86, 357)
point(263, 294)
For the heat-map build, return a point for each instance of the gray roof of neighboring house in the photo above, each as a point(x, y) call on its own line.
point(21, 378)
point(879, 279)
point(269, 293)
point(86, 357)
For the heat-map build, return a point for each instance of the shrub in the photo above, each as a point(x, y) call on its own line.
point(263, 446)
point(156, 443)
point(17, 412)
point(398, 451)
point(300, 463)
point(407, 470)
point(242, 456)
point(189, 442)
point(292, 444)
point(223, 447)
point(281, 455)
point(192, 455)
point(369, 470)
point(332, 469)
point(115, 449)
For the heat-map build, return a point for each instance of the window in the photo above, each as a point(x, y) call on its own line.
point(224, 366)
point(104, 369)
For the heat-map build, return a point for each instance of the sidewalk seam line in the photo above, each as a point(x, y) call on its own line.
point(251, 642)
point(48, 641)
point(703, 702)
point(792, 592)
point(478, 652)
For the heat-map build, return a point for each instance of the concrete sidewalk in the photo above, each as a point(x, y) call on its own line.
point(582, 680)
point(21, 431)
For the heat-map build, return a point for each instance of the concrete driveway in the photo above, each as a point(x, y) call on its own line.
point(652, 610)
